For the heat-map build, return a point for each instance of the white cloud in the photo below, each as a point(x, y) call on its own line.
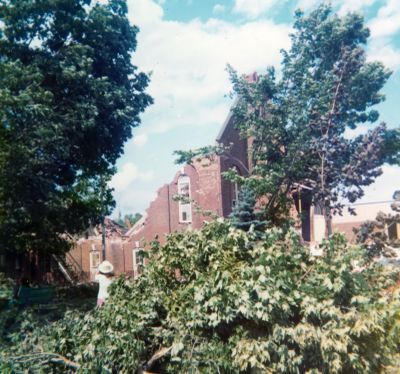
point(353, 5)
point(129, 172)
point(218, 8)
point(128, 200)
point(144, 12)
point(380, 49)
point(384, 26)
point(387, 22)
point(307, 4)
point(385, 185)
point(344, 6)
point(140, 139)
point(253, 8)
point(188, 61)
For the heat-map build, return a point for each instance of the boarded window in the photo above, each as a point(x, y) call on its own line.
point(95, 259)
point(185, 205)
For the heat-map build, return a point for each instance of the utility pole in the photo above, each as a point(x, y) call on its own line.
point(103, 224)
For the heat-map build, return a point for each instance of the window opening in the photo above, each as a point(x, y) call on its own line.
point(94, 259)
point(185, 205)
point(138, 262)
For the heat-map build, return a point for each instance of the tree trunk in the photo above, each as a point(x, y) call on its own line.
point(328, 221)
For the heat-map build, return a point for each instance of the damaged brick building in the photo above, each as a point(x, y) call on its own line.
point(206, 191)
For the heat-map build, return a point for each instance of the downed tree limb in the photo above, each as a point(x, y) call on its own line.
point(156, 356)
point(159, 354)
point(44, 357)
point(65, 361)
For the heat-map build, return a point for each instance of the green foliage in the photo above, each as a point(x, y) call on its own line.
point(69, 99)
point(225, 301)
point(5, 288)
point(24, 330)
point(201, 153)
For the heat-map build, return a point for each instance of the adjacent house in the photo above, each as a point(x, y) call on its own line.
point(87, 252)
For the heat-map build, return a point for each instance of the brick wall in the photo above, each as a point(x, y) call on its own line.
point(115, 253)
point(347, 229)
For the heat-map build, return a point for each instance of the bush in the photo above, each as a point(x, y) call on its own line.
point(6, 288)
point(220, 301)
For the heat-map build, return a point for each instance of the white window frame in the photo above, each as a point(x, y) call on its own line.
point(185, 208)
point(94, 264)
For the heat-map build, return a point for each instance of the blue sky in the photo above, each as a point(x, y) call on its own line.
point(186, 44)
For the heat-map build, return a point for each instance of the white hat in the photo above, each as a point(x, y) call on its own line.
point(106, 267)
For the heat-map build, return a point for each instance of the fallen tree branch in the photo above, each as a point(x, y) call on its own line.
point(65, 361)
point(159, 354)
point(45, 357)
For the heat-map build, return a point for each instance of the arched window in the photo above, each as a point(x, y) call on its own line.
point(185, 205)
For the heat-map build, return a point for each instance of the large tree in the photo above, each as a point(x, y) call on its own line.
point(299, 121)
point(69, 98)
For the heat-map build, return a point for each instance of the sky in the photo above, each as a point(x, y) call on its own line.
point(186, 45)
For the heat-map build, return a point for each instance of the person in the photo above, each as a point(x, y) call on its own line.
point(104, 277)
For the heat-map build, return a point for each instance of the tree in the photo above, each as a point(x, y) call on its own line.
point(129, 219)
point(69, 99)
point(244, 214)
point(299, 121)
